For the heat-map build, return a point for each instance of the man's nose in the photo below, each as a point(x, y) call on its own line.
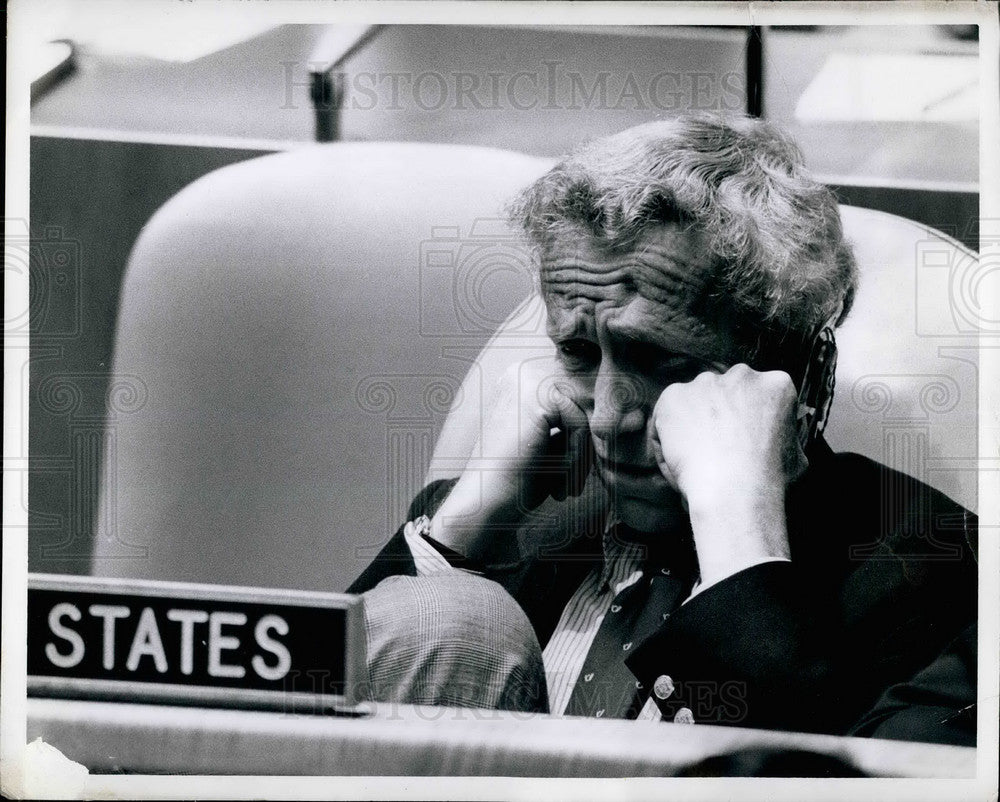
point(619, 405)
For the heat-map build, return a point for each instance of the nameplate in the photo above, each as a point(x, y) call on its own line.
point(180, 643)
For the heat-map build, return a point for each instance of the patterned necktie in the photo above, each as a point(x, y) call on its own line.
point(606, 687)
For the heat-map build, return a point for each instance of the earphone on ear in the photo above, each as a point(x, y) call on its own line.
point(816, 390)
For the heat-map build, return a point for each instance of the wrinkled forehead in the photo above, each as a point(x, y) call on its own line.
point(654, 290)
point(669, 266)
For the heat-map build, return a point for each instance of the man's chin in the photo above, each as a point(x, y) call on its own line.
point(643, 503)
point(644, 515)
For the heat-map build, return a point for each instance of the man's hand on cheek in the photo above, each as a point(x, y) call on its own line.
point(518, 461)
point(728, 443)
point(520, 446)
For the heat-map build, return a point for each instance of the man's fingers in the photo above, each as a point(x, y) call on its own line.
point(559, 445)
point(576, 457)
point(665, 469)
point(577, 447)
point(580, 460)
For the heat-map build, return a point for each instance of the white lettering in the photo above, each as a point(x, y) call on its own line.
point(109, 612)
point(60, 631)
point(269, 644)
point(218, 643)
point(187, 619)
point(147, 641)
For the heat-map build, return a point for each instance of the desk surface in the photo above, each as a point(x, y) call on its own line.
point(468, 84)
point(876, 152)
point(403, 740)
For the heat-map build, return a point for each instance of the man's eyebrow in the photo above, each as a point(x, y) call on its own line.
point(625, 340)
point(628, 339)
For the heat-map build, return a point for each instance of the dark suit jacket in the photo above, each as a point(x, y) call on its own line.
point(882, 577)
point(938, 704)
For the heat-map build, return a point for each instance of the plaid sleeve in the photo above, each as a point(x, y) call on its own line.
point(452, 639)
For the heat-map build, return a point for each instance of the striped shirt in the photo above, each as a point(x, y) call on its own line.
point(566, 652)
point(567, 649)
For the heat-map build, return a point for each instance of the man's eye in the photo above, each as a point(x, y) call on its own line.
point(683, 369)
point(667, 366)
point(579, 354)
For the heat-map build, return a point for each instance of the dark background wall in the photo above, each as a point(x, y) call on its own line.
point(89, 200)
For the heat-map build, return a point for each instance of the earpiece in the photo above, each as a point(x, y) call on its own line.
point(816, 390)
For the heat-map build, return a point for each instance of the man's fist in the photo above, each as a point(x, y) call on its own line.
point(728, 442)
point(535, 440)
point(535, 443)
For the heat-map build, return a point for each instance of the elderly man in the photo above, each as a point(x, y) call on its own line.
point(693, 273)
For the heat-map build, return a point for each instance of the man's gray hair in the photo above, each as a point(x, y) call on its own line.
point(781, 266)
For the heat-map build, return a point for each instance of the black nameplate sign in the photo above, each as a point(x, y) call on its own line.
point(173, 642)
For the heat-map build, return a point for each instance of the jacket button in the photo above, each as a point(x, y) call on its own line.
point(663, 687)
point(684, 716)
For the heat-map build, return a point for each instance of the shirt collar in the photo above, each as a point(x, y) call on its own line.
point(625, 551)
point(621, 557)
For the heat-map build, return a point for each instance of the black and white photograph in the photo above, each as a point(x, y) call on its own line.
point(446, 400)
